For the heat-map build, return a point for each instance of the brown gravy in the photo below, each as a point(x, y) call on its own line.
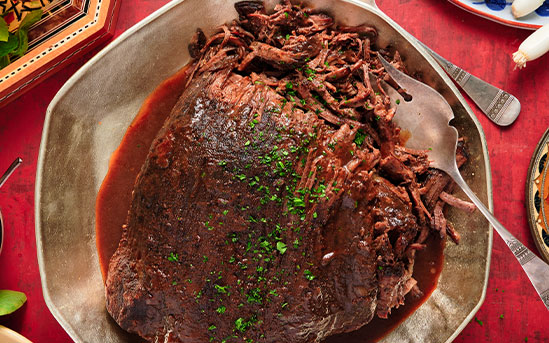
point(114, 197)
point(113, 202)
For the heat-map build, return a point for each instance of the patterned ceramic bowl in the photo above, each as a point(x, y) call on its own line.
point(537, 196)
point(500, 11)
point(68, 28)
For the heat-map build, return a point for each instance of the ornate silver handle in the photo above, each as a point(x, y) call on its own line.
point(498, 105)
point(536, 269)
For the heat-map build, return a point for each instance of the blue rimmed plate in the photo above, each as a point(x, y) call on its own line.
point(500, 11)
point(537, 196)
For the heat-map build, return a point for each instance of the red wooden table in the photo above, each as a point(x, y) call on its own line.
point(512, 311)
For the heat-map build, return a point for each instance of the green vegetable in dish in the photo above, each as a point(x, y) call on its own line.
point(11, 301)
point(13, 45)
point(4, 32)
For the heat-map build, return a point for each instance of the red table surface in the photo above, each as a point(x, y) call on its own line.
point(512, 311)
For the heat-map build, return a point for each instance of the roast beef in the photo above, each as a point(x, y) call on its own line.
point(271, 209)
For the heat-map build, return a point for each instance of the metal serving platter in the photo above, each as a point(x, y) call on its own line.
point(89, 116)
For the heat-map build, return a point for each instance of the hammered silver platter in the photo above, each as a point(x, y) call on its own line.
point(89, 116)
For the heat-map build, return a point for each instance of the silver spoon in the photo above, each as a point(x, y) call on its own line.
point(498, 105)
point(3, 179)
point(427, 117)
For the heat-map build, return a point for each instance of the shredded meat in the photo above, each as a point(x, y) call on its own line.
point(458, 203)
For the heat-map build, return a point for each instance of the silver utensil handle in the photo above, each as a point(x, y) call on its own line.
point(10, 170)
point(536, 269)
point(501, 107)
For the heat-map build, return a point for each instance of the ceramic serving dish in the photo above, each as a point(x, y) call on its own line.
point(68, 28)
point(537, 196)
point(10, 336)
point(89, 116)
point(500, 11)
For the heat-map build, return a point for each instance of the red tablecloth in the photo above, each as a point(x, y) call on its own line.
point(479, 46)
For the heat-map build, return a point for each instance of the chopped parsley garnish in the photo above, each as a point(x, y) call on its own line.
point(281, 247)
point(254, 296)
point(222, 289)
point(242, 325)
point(359, 138)
point(253, 123)
point(309, 275)
point(173, 257)
point(208, 226)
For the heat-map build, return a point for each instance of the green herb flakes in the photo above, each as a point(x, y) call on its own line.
point(360, 137)
point(281, 247)
point(308, 275)
point(221, 289)
point(173, 257)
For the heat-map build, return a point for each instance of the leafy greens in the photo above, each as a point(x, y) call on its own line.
point(13, 45)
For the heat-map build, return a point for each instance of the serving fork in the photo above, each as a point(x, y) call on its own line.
point(427, 116)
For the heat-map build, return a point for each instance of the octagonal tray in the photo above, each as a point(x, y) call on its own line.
point(89, 116)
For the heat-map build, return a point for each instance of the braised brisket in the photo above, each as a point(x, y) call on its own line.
point(277, 203)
